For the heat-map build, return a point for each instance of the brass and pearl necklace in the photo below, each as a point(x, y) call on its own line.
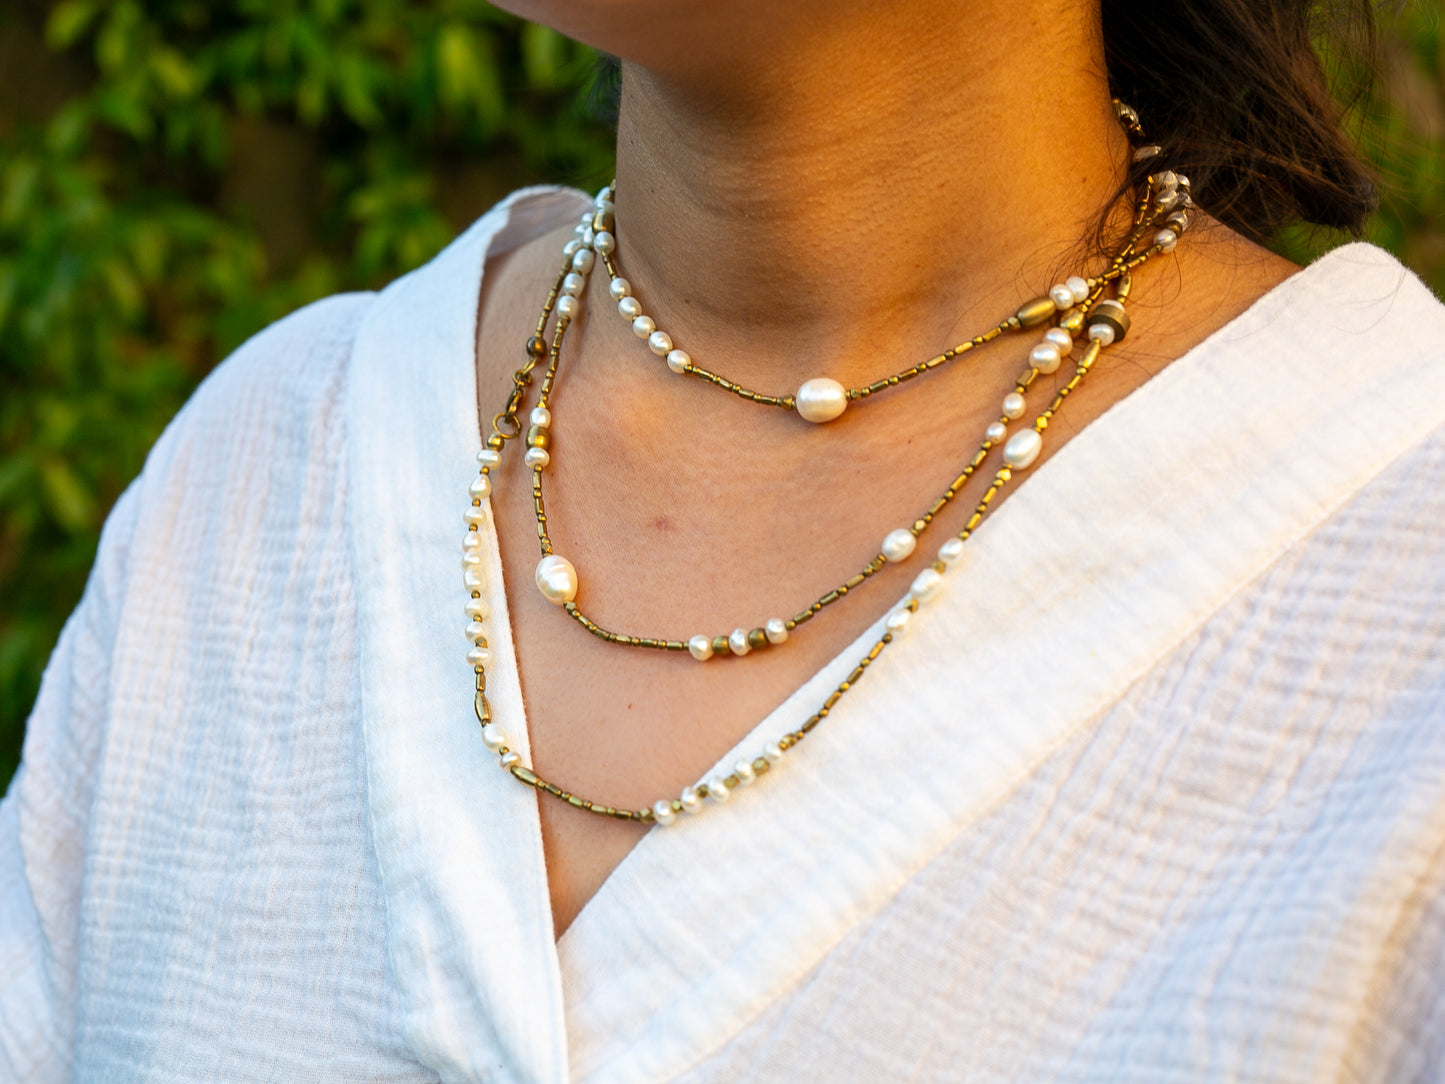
point(1164, 206)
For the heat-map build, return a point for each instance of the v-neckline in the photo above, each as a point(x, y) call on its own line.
point(695, 931)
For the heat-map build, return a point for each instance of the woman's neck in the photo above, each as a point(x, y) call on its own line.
point(859, 193)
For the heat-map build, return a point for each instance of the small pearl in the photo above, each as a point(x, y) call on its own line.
point(898, 545)
point(738, 642)
point(995, 432)
point(1166, 240)
point(1045, 357)
point(574, 284)
point(821, 399)
point(643, 327)
point(619, 288)
point(471, 559)
point(471, 541)
point(493, 737)
point(475, 517)
point(537, 457)
point(1102, 334)
point(678, 360)
point(898, 620)
point(950, 551)
point(604, 243)
point(488, 457)
point(481, 487)
point(1062, 296)
point(1023, 448)
point(1078, 286)
point(1061, 339)
point(700, 647)
point(508, 759)
point(582, 260)
point(660, 343)
point(662, 812)
point(743, 769)
point(588, 234)
point(1013, 405)
point(630, 307)
point(474, 579)
point(568, 306)
point(541, 416)
point(556, 579)
point(717, 790)
point(772, 752)
point(1147, 152)
point(604, 194)
point(571, 248)
point(926, 585)
point(691, 802)
point(776, 630)
point(478, 656)
point(477, 610)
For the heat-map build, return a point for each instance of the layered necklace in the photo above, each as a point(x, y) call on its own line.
point(1083, 314)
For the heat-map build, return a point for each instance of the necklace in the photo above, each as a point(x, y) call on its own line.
point(1164, 202)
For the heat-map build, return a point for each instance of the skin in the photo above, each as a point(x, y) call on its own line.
point(808, 188)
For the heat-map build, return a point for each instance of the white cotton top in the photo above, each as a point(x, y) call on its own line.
point(1162, 796)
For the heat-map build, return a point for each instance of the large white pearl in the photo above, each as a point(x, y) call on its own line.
point(556, 579)
point(471, 541)
point(1045, 357)
point(743, 769)
point(473, 579)
point(629, 307)
point(1166, 240)
point(493, 737)
point(568, 306)
point(821, 399)
point(1061, 296)
point(1023, 448)
point(1013, 405)
point(660, 343)
point(662, 812)
point(995, 432)
point(898, 545)
point(1078, 286)
point(700, 648)
point(898, 620)
point(573, 284)
point(477, 610)
point(738, 642)
point(478, 656)
point(537, 457)
point(619, 288)
point(678, 360)
point(926, 584)
point(481, 488)
point(1102, 334)
point(691, 802)
point(582, 260)
point(950, 551)
point(1060, 338)
point(474, 516)
point(643, 326)
point(541, 416)
point(772, 752)
point(488, 457)
point(776, 630)
point(604, 242)
point(717, 790)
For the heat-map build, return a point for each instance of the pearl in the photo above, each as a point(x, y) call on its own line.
point(662, 812)
point(821, 399)
point(995, 432)
point(537, 457)
point(619, 288)
point(1061, 339)
point(738, 642)
point(571, 248)
point(568, 306)
point(643, 327)
point(478, 656)
point(474, 579)
point(743, 769)
point(574, 284)
point(481, 488)
point(691, 800)
point(471, 542)
point(556, 579)
point(582, 260)
point(700, 647)
point(604, 243)
point(475, 517)
point(509, 759)
point(629, 307)
point(493, 737)
point(1102, 334)
point(717, 790)
point(1045, 357)
point(898, 545)
point(1166, 240)
point(1078, 286)
point(1062, 296)
point(898, 620)
point(603, 193)
point(588, 234)
point(1147, 152)
point(489, 457)
point(776, 630)
point(1013, 405)
point(660, 343)
point(1023, 448)
point(477, 610)
point(541, 416)
point(950, 551)
point(926, 585)
point(772, 752)
point(678, 360)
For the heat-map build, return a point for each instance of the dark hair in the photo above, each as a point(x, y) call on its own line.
point(1238, 99)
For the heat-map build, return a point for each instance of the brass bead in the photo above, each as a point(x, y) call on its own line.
point(720, 645)
point(1072, 321)
point(757, 638)
point(1112, 314)
point(536, 347)
point(1036, 312)
point(539, 436)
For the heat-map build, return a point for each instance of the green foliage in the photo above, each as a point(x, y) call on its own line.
point(203, 167)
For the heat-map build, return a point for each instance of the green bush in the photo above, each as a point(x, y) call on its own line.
point(176, 174)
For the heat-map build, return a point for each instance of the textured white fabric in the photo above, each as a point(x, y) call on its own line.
point(1177, 813)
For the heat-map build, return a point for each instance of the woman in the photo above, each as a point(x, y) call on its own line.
point(1150, 790)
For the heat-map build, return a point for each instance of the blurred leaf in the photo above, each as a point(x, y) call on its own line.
point(68, 21)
